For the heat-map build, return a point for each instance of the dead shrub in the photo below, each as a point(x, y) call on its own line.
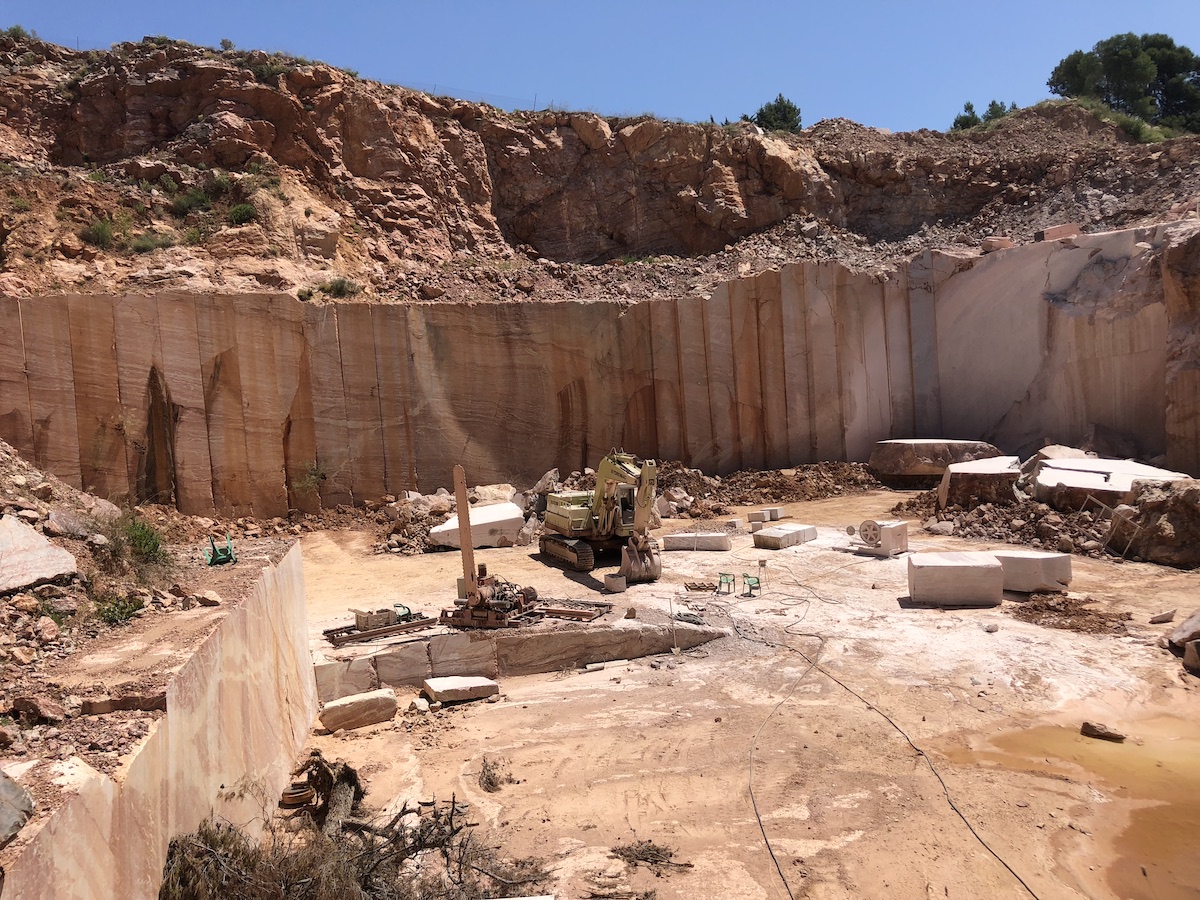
point(494, 774)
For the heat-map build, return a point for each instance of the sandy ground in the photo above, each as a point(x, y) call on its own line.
point(667, 749)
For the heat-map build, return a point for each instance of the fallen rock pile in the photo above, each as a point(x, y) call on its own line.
point(703, 496)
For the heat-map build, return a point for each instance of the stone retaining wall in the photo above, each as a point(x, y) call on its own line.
point(237, 714)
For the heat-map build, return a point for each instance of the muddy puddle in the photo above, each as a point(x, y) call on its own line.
point(1158, 768)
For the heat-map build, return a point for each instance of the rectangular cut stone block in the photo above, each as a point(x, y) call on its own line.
point(1027, 571)
point(925, 456)
point(359, 710)
point(758, 515)
point(956, 579)
point(471, 653)
point(756, 527)
point(968, 484)
point(341, 678)
point(774, 513)
point(454, 689)
point(496, 525)
point(690, 540)
point(778, 537)
point(404, 664)
point(1057, 232)
point(615, 583)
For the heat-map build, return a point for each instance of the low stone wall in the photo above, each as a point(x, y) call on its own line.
point(237, 714)
point(493, 653)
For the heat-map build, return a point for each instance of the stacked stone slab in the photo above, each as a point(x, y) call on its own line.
point(455, 689)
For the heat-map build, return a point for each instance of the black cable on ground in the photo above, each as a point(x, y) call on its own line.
point(814, 664)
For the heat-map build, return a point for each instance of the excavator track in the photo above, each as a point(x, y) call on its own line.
point(575, 553)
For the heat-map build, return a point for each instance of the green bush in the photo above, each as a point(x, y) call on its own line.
point(133, 544)
point(340, 288)
point(113, 609)
point(169, 184)
point(219, 185)
point(99, 233)
point(149, 241)
point(193, 236)
point(194, 199)
point(781, 114)
point(18, 33)
point(20, 204)
point(1137, 128)
point(242, 213)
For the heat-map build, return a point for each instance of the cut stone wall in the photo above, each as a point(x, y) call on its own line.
point(257, 404)
point(237, 714)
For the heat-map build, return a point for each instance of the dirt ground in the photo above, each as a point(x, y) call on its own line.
point(860, 766)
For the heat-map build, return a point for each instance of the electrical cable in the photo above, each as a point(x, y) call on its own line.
point(813, 663)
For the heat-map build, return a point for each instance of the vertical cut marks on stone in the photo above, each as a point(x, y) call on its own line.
point(16, 425)
point(45, 324)
point(99, 417)
point(220, 367)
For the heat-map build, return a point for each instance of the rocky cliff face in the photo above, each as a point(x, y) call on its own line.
point(384, 185)
point(260, 403)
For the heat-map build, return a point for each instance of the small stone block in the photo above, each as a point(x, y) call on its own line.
point(758, 515)
point(956, 579)
point(615, 584)
point(1026, 571)
point(779, 537)
point(1058, 232)
point(454, 688)
point(774, 512)
point(756, 527)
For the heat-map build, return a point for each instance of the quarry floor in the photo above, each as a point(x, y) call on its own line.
point(667, 748)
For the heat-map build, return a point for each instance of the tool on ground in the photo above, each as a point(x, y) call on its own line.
point(219, 556)
point(614, 515)
point(491, 601)
point(888, 537)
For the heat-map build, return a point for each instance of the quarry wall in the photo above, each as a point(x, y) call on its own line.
point(237, 714)
point(252, 404)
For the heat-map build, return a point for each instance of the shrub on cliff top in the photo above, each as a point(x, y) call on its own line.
point(242, 213)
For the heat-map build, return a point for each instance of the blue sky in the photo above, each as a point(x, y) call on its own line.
point(898, 65)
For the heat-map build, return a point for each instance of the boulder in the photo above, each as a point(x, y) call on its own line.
point(1058, 232)
point(496, 525)
point(28, 558)
point(1163, 618)
point(994, 243)
point(16, 808)
point(969, 484)
point(359, 710)
point(910, 461)
point(1191, 657)
point(1163, 525)
point(488, 494)
point(38, 709)
point(64, 523)
point(1101, 732)
point(458, 688)
point(1186, 631)
point(1054, 451)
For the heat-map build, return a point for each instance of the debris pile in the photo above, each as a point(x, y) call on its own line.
point(1071, 613)
point(700, 496)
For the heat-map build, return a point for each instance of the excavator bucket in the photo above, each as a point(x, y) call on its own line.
point(643, 564)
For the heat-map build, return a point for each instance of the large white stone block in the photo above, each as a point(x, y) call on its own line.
point(1069, 483)
point(456, 688)
point(962, 578)
point(1027, 571)
point(27, 558)
point(341, 678)
point(497, 525)
point(693, 540)
point(359, 710)
point(969, 484)
point(463, 653)
point(778, 537)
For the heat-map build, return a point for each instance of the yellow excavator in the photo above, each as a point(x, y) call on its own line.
point(616, 514)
